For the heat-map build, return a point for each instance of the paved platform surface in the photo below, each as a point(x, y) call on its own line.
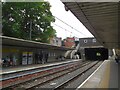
point(28, 67)
point(114, 73)
point(106, 76)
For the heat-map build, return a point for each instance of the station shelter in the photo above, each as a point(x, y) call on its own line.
point(24, 52)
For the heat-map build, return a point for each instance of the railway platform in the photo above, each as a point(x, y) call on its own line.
point(105, 76)
point(8, 70)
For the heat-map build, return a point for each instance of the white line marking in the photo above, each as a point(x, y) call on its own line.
point(90, 76)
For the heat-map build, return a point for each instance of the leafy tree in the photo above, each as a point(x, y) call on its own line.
point(19, 17)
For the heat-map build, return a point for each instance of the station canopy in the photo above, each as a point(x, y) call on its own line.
point(100, 18)
point(15, 42)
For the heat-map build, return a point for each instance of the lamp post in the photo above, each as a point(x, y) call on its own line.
point(30, 28)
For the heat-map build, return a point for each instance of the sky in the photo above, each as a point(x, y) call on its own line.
point(63, 30)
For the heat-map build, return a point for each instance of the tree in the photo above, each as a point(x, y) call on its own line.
point(19, 17)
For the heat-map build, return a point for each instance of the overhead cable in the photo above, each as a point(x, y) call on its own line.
point(69, 25)
point(63, 28)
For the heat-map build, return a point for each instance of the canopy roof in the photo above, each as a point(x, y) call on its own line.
point(9, 41)
point(100, 18)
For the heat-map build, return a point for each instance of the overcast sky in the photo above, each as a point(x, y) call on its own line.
point(58, 10)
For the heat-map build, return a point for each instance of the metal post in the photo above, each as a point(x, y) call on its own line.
point(30, 29)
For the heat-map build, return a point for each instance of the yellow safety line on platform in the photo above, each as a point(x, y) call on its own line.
point(106, 76)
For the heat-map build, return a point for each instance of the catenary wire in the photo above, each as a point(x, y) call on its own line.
point(69, 25)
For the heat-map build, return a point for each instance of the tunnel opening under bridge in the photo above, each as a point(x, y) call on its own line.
point(96, 53)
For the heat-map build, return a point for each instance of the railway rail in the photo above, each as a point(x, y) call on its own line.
point(36, 83)
point(63, 81)
point(44, 80)
point(20, 77)
point(39, 81)
point(6, 76)
point(67, 83)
